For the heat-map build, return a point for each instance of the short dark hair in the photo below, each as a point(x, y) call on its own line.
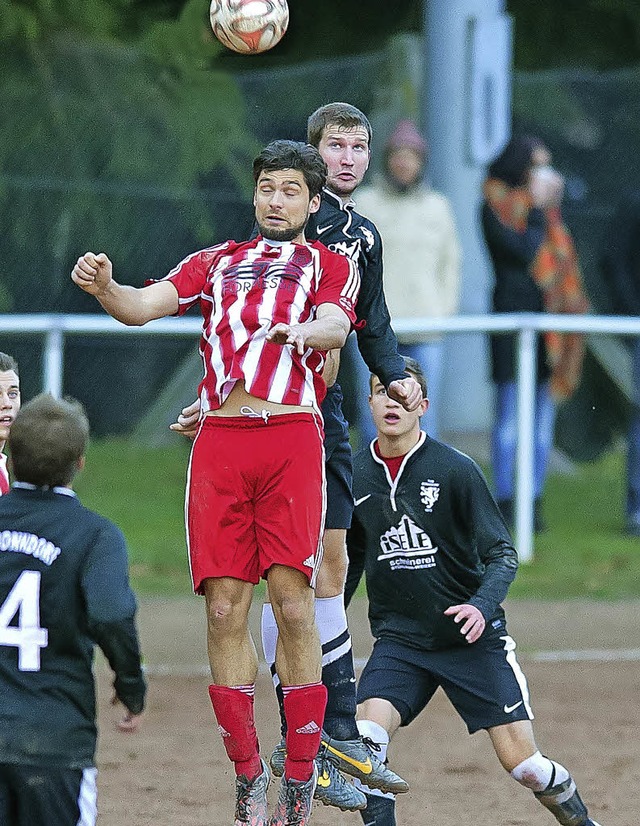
point(339, 114)
point(282, 154)
point(413, 367)
point(7, 363)
point(513, 163)
point(47, 440)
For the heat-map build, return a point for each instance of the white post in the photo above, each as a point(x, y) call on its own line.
point(527, 353)
point(467, 118)
point(53, 367)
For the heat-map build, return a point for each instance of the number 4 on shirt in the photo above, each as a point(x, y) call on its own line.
point(27, 636)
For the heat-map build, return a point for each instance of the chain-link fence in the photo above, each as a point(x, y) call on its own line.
point(147, 223)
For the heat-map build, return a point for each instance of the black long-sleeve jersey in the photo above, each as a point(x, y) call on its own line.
point(343, 230)
point(430, 539)
point(63, 587)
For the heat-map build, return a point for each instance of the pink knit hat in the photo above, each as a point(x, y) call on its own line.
point(406, 136)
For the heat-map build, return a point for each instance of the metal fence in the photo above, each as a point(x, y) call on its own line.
point(56, 328)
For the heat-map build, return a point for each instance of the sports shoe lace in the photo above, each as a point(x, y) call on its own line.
point(295, 806)
point(243, 796)
point(371, 744)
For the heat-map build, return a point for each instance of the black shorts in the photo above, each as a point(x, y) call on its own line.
point(338, 462)
point(44, 796)
point(483, 680)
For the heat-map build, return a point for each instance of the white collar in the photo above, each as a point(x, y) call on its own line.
point(56, 489)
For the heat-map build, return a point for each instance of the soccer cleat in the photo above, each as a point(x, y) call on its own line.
point(276, 761)
point(332, 788)
point(251, 798)
point(357, 758)
point(293, 807)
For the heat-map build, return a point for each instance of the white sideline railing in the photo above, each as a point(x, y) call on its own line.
point(527, 326)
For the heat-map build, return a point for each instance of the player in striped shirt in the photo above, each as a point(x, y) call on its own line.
point(9, 406)
point(272, 308)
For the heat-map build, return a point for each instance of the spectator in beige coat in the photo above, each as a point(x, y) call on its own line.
point(421, 252)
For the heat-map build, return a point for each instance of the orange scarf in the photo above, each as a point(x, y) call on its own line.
point(556, 271)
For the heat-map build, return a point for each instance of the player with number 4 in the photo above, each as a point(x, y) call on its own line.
point(63, 588)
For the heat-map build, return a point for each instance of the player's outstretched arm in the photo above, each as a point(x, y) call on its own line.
point(130, 305)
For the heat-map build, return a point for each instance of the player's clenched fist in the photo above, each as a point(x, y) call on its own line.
point(92, 272)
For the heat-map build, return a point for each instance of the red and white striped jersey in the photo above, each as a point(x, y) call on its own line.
point(4, 475)
point(244, 289)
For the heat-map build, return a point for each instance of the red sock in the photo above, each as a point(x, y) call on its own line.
point(233, 708)
point(304, 707)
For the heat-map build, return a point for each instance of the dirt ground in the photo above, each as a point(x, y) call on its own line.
point(582, 661)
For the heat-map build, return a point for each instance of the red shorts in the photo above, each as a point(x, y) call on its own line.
point(255, 497)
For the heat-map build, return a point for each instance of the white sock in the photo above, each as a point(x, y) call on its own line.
point(269, 630)
point(331, 621)
point(378, 734)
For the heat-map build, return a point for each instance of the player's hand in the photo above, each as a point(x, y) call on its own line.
point(406, 392)
point(474, 622)
point(92, 273)
point(287, 334)
point(187, 424)
point(331, 367)
point(129, 723)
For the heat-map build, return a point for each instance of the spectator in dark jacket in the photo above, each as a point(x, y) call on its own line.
point(621, 268)
point(536, 270)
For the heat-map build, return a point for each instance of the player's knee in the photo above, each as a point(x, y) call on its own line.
point(223, 617)
point(294, 615)
point(333, 570)
point(331, 580)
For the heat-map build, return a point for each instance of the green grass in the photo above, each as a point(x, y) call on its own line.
point(142, 490)
point(582, 554)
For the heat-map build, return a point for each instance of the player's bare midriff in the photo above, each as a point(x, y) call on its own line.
point(239, 400)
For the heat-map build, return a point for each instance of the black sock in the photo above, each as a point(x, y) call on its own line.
point(380, 811)
point(340, 716)
point(280, 698)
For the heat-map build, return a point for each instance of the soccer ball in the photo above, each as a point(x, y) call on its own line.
point(249, 26)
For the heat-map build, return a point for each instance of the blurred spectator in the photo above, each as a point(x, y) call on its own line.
point(536, 270)
point(621, 269)
point(421, 254)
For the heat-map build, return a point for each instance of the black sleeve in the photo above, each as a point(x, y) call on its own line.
point(119, 642)
point(111, 609)
point(376, 340)
point(502, 240)
point(494, 545)
point(621, 261)
point(356, 553)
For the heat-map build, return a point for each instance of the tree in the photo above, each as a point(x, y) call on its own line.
point(104, 140)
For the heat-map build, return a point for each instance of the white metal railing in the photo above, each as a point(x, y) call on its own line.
point(527, 326)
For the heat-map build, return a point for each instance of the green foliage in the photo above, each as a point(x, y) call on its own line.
point(595, 33)
point(583, 554)
point(92, 122)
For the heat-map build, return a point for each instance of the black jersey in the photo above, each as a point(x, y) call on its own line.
point(63, 587)
point(430, 539)
point(343, 230)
